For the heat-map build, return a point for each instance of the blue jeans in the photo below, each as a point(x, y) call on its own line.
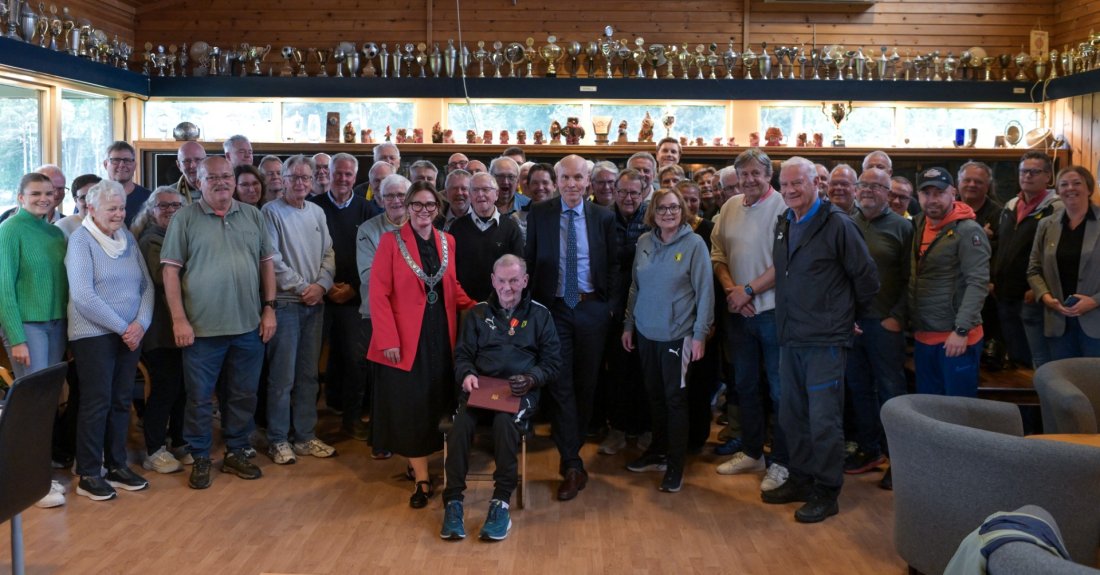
point(875, 374)
point(941, 375)
point(243, 356)
point(106, 368)
point(46, 343)
point(1073, 342)
point(1022, 328)
point(292, 356)
point(752, 340)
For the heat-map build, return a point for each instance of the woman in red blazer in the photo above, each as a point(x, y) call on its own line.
point(414, 295)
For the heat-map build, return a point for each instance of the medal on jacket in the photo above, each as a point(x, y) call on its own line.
point(512, 326)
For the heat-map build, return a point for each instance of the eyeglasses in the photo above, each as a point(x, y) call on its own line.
point(629, 193)
point(485, 190)
point(169, 205)
point(423, 206)
point(506, 177)
point(218, 178)
point(1032, 172)
point(393, 197)
point(899, 197)
point(454, 165)
point(300, 179)
point(873, 187)
point(117, 161)
point(673, 209)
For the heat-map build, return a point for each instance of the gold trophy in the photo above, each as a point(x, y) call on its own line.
point(297, 53)
point(551, 53)
point(322, 58)
point(837, 114)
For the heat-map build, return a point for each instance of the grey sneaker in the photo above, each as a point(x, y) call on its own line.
point(182, 453)
point(281, 453)
point(162, 462)
point(235, 462)
point(775, 477)
point(741, 463)
point(314, 447)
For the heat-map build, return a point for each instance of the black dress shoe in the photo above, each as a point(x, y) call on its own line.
point(816, 510)
point(420, 497)
point(887, 481)
point(575, 480)
point(792, 491)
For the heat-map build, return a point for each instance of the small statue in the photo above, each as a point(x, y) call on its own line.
point(504, 137)
point(801, 140)
point(754, 140)
point(448, 136)
point(819, 140)
point(573, 131)
point(388, 133)
point(402, 135)
point(699, 141)
point(718, 141)
point(364, 136)
point(487, 137)
point(773, 137)
point(368, 138)
point(622, 133)
point(418, 135)
point(683, 141)
point(645, 135)
point(539, 138)
point(732, 141)
point(555, 132)
point(521, 137)
point(349, 133)
point(471, 137)
point(437, 134)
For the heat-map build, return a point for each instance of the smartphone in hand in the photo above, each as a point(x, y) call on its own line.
point(1071, 301)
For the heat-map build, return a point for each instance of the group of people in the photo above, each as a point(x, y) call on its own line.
point(604, 296)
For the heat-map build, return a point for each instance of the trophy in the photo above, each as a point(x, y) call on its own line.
point(200, 53)
point(950, 64)
point(172, 60)
point(700, 61)
point(837, 115)
point(298, 62)
point(765, 62)
point(792, 57)
point(668, 119)
point(435, 60)
point(815, 63)
point(550, 54)
point(685, 58)
point(1004, 60)
point(368, 51)
point(464, 59)
point(1023, 62)
point(859, 63)
point(590, 51)
point(160, 61)
point(987, 62)
point(574, 50)
point(496, 58)
point(781, 54)
point(602, 126)
point(530, 54)
point(639, 55)
point(514, 54)
point(257, 55)
point(13, 11)
point(657, 57)
point(1053, 65)
point(396, 60)
point(29, 21)
point(802, 60)
point(383, 61)
point(184, 54)
point(625, 56)
point(339, 56)
point(481, 55)
point(55, 26)
point(712, 60)
point(606, 45)
point(322, 59)
point(450, 58)
point(729, 60)
point(749, 59)
point(421, 59)
point(407, 59)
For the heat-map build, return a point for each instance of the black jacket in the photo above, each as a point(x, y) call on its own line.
point(826, 283)
point(1009, 269)
point(485, 346)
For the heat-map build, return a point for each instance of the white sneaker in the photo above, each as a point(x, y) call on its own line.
point(613, 443)
point(281, 453)
point(162, 462)
point(644, 441)
point(741, 463)
point(776, 476)
point(55, 498)
point(314, 447)
point(183, 455)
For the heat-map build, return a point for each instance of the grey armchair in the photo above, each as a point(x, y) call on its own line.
point(1069, 394)
point(956, 460)
point(1022, 558)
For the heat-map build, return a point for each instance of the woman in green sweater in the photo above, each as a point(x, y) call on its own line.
point(34, 289)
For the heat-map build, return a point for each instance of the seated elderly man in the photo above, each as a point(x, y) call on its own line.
point(510, 337)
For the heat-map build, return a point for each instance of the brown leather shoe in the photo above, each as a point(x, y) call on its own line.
point(575, 480)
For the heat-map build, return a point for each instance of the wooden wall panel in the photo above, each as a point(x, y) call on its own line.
point(116, 17)
point(999, 26)
point(1073, 20)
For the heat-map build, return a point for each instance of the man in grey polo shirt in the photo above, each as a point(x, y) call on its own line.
point(217, 258)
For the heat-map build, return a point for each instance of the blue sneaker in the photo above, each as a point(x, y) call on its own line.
point(498, 523)
point(729, 448)
point(453, 529)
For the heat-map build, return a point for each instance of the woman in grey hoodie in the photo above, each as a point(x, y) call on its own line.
point(671, 306)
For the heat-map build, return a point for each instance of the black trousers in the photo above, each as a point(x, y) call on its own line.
point(346, 377)
point(664, 375)
point(508, 430)
point(627, 408)
point(107, 369)
point(167, 398)
point(582, 331)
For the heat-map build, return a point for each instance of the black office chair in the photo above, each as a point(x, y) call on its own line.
point(26, 433)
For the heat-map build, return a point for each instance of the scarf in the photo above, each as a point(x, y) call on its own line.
point(112, 246)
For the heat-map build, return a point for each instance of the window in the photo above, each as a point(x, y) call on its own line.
point(20, 132)
point(216, 120)
point(867, 126)
point(85, 135)
point(935, 127)
point(511, 117)
point(304, 121)
point(691, 121)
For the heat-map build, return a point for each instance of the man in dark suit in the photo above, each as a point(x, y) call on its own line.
point(571, 254)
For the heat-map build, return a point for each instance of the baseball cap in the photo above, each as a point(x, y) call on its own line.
point(937, 177)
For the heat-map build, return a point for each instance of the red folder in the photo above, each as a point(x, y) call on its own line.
point(495, 394)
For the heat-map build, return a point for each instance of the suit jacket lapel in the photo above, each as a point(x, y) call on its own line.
point(1092, 234)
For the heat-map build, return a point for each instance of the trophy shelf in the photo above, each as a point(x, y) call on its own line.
point(31, 57)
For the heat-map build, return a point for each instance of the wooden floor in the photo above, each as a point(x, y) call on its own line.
point(351, 515)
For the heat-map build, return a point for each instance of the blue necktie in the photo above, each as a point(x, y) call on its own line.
point(571, 292)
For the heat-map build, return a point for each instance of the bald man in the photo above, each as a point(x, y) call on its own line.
point(188, 158)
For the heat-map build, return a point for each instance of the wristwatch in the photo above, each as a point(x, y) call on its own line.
point(269, 303)
point(962, 331)
point(749, 290)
